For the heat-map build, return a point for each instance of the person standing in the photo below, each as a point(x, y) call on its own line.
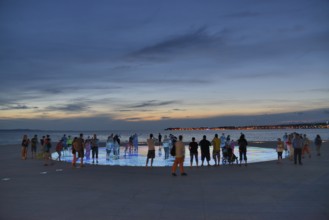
point(318, 143)
point(216, 149)
point(193, 147)
point(166, 145)
point(297, 145)
point(179, 157)
point(74, 152)
point(59, 148)
point(25, 145)
point(242, 142)
point(279, 150)
point(79, 148)
point(135, 142)
point(290, 147)
point(306, 147)
point(69, 142)
point(88, 148)
point(109, 147)
point(160, 139)
point(151, 150)
point(64, 142)
point(222, 140)
point(47, 154)
point(94, 148)
point(205, 150)
point(34, 142)
point(285, 139)
point(116, 142)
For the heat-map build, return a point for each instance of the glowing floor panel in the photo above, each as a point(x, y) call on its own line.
point(254, 155)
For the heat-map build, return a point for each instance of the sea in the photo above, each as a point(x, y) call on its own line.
point(15, 136)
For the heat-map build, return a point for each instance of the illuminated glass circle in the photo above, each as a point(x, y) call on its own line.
point(254, 155)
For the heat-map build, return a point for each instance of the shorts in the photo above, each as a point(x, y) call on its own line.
point(81, 153)
point(205, 156)
point(34, 148)
point(151, 154)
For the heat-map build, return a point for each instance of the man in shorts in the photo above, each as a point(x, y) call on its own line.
point(216, 142)
point(193, 147)
point(205, 150)
point(151, 150)
point(78, 145)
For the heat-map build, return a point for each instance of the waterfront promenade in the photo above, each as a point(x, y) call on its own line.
point(260, 191)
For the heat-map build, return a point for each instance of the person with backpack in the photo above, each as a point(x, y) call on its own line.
point(242, 142)
point(179, 157)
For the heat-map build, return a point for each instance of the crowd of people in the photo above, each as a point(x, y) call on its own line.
point(295, 146)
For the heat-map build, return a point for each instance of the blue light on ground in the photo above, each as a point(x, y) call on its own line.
point(254, 155)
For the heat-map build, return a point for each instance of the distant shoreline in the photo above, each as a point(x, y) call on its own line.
point(256, 127)
point(249, 127)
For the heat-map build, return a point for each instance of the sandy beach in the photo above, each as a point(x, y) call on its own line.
point(265, 190)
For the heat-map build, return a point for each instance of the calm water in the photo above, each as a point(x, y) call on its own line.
point(15, 137)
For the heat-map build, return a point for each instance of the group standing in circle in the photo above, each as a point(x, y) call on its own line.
point(296, 147)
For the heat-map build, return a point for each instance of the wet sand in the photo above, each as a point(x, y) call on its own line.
point(265, 190)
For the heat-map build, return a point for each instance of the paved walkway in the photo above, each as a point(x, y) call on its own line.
point(259, 191)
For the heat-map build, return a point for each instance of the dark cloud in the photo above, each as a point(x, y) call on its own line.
point(195, 40)
point(136, 123)
point(17, 107)
point(152, 103)
point(134, 119)
point(77, 107)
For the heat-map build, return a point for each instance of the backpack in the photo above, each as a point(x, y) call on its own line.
point(173, 151)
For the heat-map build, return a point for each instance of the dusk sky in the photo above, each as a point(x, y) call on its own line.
point(151, 64)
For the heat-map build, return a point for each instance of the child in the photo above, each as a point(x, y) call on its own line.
point(59, 148)
point(279, 150)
